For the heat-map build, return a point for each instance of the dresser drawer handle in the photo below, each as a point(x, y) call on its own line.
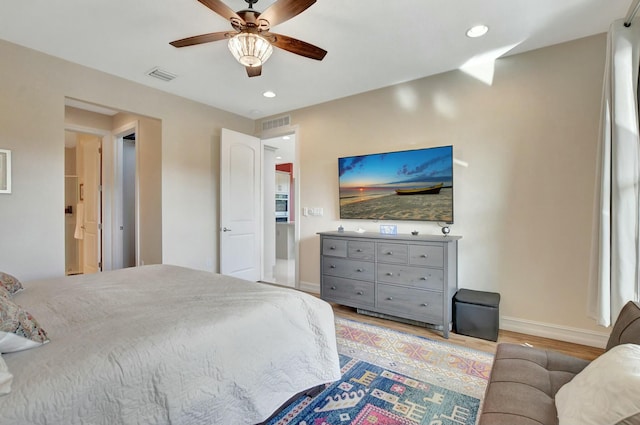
point(424, 256)
point(390, 299)
point(389, 252)
point(424, 278)
point(358, 250)
point(332, 247)
point(332, 266)
point(360, 293)
point(333, 288)
point(360, 270)
point(389, 274)
point(424, 305)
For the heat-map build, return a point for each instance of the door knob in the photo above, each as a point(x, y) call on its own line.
point(224, 229)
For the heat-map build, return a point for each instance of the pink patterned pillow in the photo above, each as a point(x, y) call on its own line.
point(4, 293)
point(10, 283)
point(18, 329)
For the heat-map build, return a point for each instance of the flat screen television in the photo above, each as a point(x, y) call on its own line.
point(405, 185)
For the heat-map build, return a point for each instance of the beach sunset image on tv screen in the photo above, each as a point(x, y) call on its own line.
point(406, 185)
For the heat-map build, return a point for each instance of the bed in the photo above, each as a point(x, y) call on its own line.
point(166, 345)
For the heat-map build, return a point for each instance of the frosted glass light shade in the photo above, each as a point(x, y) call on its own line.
point(250, 49)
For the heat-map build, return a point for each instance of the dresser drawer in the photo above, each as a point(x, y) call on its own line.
point(426, 255)
point(350, 269)
point(393, 253)
point(334, 247)
point(419, 277)
point(416, 304)
point(361, 250)
point(348, 292)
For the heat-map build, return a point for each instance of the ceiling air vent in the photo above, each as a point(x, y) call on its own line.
point(161, 74)
point(276, 123)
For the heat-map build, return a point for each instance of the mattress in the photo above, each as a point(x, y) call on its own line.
point(166, 345)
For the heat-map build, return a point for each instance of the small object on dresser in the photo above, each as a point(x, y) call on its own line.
point(340, 229)
point(388, 229)
point(414, 233)
point(445, 230)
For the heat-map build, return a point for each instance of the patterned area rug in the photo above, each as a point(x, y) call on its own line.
point(391, 378)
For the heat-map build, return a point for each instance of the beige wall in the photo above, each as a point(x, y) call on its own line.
point(32, 114)
point(523, 205)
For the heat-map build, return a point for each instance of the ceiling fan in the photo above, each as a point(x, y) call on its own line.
point(252, 42)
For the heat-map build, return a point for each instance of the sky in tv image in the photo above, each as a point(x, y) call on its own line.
point(405, 185)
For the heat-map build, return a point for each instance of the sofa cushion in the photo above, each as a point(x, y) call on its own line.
point(523, 385)
point(607, 392)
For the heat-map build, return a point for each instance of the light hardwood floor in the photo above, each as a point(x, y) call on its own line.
point(581, 351)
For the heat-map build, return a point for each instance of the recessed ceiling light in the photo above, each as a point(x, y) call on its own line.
point(477, 31)
point(269, 94)
point(278, 157)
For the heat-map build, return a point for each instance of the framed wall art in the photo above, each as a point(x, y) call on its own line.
point(5, 171)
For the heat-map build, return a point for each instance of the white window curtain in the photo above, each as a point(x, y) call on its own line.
point(616, 249)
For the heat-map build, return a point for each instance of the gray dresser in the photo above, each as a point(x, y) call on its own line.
point(398, 277)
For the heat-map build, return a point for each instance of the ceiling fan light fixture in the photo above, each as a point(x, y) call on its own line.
point(250, 49)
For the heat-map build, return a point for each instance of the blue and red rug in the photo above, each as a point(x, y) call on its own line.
point(393, 378)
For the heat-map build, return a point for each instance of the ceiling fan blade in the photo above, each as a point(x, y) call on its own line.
point(254, 71)
point(298, 47)
point(200, 39)
point(221, 9)
point(283, 10)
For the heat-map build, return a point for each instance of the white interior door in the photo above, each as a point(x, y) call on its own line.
point(90, 197)
point(240, 205)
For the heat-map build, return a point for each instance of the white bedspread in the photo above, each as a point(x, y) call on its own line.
point(166, 345)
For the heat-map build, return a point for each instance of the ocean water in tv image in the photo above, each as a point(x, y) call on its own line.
point(404, 185)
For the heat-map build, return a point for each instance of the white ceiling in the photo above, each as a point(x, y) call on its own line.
point(285, 148)
point(371, 43)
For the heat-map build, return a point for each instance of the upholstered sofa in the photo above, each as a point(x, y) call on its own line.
point(527, 385)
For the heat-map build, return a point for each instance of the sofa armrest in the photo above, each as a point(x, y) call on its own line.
point(626, 329)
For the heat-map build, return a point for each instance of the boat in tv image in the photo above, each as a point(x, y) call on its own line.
point(431, 190)
point(404, 185)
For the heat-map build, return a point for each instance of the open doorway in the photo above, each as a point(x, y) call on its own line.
point(83, 203)
point(130, 186)
point(280, 209)
point(128, 201)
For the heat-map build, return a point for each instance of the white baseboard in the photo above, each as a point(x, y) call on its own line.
point(529, 327)
point(561, 333)
point(310, 287)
